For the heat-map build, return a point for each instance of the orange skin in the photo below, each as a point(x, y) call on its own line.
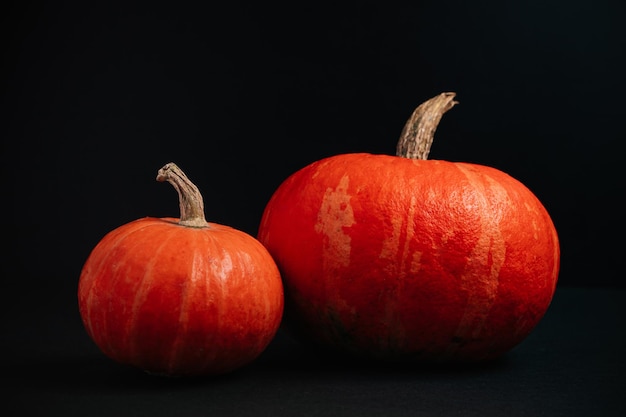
point(178, 300)
point(394, 258)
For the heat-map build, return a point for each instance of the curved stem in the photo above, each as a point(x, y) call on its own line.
point(190, 199)
point(419, 131)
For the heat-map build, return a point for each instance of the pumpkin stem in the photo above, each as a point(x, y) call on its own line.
point(419, 131)
point(190, 199)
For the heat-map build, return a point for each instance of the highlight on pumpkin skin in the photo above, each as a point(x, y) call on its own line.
point(190, 200)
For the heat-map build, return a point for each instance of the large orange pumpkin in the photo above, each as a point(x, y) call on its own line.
point(180, 296)
point(400, 257)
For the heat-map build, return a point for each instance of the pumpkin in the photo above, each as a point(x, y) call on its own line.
point(180, 297)
point(401, 258)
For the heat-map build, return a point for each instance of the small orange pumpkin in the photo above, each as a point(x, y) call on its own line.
point(180, 296)
point(400, 257)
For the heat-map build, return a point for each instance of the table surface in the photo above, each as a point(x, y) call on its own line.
point(572, 364)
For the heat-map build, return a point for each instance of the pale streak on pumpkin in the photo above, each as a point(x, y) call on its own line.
point(216, 290)
point(555, 256)
point(490, 245)
point(393, 244)
point(401, 226)
point(221, 267)
point(94, 278)
point(555, 238)
point(120, 264)
point(335, 213)
point(144, 288)
point(533, 210)
point(196, 273)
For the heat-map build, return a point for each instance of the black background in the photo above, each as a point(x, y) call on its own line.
point(97, 96)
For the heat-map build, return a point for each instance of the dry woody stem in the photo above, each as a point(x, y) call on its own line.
point(190, 199)
point(419, 131)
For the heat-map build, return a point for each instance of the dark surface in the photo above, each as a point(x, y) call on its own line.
point(573, 364)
